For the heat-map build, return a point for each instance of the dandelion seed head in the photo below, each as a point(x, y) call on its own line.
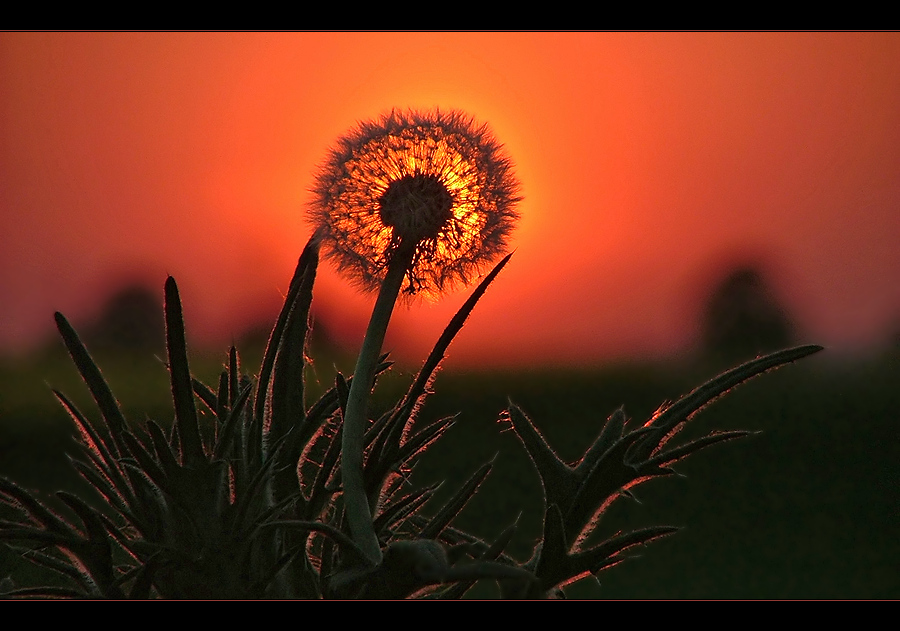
point(433, 186)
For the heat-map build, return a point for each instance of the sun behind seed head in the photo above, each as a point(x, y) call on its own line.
point(432, 185)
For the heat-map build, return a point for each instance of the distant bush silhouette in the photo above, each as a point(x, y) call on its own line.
point(131, 320)
point(743, 318)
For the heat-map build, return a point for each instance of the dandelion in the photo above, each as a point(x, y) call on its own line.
point(414, 201)
point(433, 189)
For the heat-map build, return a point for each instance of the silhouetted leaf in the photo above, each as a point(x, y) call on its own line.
point(182, 391)
point(308, 259)
point(103, 458)
point(419, 386)
point(609, 435)
point(95, 382)
point(403, 508)
point(454, 505)
point(167, 458)
point(678, 453)
point(228, 432)
point(287, 404)
point(205, 393)
point(558, 479)
point(683, 409)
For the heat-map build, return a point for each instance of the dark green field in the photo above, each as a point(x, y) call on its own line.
point(809, 508)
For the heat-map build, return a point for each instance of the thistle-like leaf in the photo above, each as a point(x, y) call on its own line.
point(455, 537)
point(99, 389)
point(150, 507)
point(252, 493)
point(403, 508)
point(459, 589)
point(559, 480)
point(165, 455)
point(326, 437)
point(34, 508)
point(211, 399)
point(229, 431)
point(406, 410)
point(419, 442)
point(342, 388)
point(394, 458)
point(611, 433)
point(609, 553)
point(452, 507)
point(325, 406)
point(308, 259)
point(287, 402)
point(44, 593)
point(610, 476)
point(554, 547)
point(56, 562)
point(557, 567)
point(344, 542)
point(95, 551)
point(318, 492)
point(102, 453)
point(669, 417)
point(103, 486)
point(234, 376)
point(92, 551)
point(182, 391)
point(675, 454)
point(150, 467)
point(223, 405)
point(383, 442)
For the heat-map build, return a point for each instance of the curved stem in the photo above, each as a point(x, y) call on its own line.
point(356, 504)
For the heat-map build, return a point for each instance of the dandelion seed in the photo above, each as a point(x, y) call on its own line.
point(431, 187)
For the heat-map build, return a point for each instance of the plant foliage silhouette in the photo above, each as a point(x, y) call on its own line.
point(263, 503)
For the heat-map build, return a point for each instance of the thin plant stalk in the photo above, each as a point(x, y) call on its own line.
point(356, 504)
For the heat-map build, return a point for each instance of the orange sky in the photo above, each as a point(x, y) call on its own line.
point(649, 163)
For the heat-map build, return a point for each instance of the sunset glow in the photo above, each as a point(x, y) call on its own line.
point(651, 165)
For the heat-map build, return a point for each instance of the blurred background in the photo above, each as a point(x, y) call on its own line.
point(691, 200)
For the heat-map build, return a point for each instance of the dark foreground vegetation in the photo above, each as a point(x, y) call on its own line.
point(809, 508)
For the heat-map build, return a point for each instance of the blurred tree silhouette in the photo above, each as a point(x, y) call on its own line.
point(131, 321)
point(743, 319)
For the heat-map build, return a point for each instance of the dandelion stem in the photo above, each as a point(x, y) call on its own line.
point(356, 504)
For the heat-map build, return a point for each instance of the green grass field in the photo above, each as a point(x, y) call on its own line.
point(809, 508)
